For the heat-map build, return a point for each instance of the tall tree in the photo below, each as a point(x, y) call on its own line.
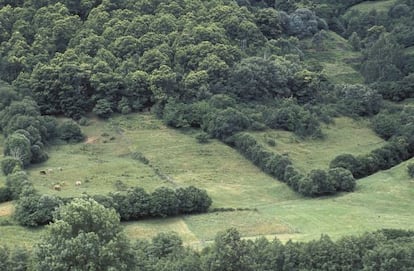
point(84, 236)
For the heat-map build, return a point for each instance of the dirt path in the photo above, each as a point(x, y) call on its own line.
point(6, 209)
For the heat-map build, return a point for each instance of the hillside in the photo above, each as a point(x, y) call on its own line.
point(228, 122)
point(382, 200)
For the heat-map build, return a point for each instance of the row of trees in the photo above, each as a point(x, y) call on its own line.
point(391, 154)
point(85, 235)
point(33, 209)
point(396, 125)
point(317, 182)
point(136, 203)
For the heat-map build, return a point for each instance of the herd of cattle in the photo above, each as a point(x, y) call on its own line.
point(57, 187)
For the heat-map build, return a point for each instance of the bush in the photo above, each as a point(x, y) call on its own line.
point(164, 202)
point(226, 123)
point(202, 137)
point(34, 210)
point(16, 182)
point(5, 194)
point(342, 179)
point(410, 169)
point(193, 200)
point(10, 164)
point(70, 131)
point(103, 109)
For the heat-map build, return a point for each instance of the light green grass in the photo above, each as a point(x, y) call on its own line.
point(381, 200)
point(337, 59)
point(409, 50)
point(344, 136)
point(367, 6)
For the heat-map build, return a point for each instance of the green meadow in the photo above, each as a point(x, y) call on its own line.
point(367, 6)
point(345, 135)
point(337, 59)
point(104, 163)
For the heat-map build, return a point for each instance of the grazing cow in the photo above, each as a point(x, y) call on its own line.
point(42, 172)
point(78, 183)
point(60, 169)
point(57, 187)
point(50, 170)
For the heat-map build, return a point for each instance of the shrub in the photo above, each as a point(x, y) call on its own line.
point(342, 179)
point(202, 137)
point(33, 210)
point(5, 194)
point(164, 202)
point(70, 131)
point(103, 108)
point(226, 123)
point(193, 200)
point(16, 182)
point(10, 164)
point(410, 169)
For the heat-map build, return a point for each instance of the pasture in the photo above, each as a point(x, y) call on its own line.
point(175, 159)
point(345, 135)
point(367, 6)
point(337, 59)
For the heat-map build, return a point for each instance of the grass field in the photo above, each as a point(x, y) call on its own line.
point(176, 159)
point(367, 6)
point(337, 59)
point(339, 138)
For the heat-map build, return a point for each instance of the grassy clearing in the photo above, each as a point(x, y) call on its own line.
point(340, 138)
point(176, 159)
point(367, 6)
point(337, 59)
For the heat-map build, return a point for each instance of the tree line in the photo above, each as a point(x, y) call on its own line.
point(33, 209)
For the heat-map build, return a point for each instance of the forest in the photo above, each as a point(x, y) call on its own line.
point(226, 69)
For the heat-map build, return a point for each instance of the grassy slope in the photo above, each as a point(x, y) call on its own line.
point(339, 138)
point(367, 6)
point(337, 59)
point(382, 200)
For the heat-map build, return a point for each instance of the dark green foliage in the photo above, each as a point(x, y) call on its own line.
point(5, 194)
point(33, 210)
point(358, 100)
point(164, 244)
point(70, 131)
point(103, 108)
point(410, 169)
point(391, 154)
point(258, 79)
point(16, 259)
point(133, 205)
point(193, 200)
point(226, 123)
point(317, 183)
point(16, 183)
point(84, 236)
point(164, 202)
point(385, 125)
point(346, 161)
point(290, 116)
point(202, 137)
point(229, 252)
point(10, 164)
point(342, 179)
